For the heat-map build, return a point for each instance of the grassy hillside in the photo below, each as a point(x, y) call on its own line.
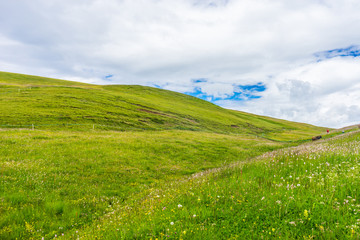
point(307, 192)
point(56, 104)
point(103, 160)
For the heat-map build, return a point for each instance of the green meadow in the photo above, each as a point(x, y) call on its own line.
point(58, 181)
point(132, 162)
point(305, 192)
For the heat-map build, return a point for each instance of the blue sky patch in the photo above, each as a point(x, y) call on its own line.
point(157, 86)
point(240, 93)
point(351, 51)
point(199, 80)
point(259, 87)
point(108, 77)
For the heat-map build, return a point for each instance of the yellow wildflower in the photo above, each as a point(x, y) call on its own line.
point(306, 214)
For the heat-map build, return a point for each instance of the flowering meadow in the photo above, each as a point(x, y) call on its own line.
point(305, 192)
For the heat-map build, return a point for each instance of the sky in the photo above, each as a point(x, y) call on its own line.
point(297, 60)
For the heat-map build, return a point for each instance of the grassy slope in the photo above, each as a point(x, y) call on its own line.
point(62, 178)
point(307, 192)
point(50, 104)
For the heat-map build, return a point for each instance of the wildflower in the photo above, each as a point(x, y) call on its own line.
point(321, 228)
point(194, 215)
point(306, 213)
point(179, 206)
point(262, 198)
point(292, 223)
point(172, 223)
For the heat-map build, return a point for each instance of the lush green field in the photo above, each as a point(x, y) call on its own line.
point(306, 192)
point(128, 162)
point(58, 181)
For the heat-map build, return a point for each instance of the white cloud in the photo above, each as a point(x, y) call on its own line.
point(170, 42)
point(322, 93)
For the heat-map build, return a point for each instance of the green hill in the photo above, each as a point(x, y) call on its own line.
point(54, 104)
point(97, 152)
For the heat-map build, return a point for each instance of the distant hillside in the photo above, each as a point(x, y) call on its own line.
point(53, 104)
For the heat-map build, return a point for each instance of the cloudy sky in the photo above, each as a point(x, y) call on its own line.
point(297, 60)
